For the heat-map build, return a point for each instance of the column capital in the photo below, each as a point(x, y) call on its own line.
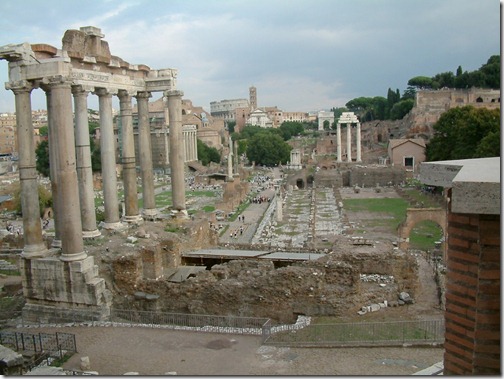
point(143, 95)
point(125, 94)
point(81, 90)
point(105, 91)
point(173, 92)
point(19, 86)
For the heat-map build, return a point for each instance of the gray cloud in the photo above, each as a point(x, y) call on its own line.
point(301, 55)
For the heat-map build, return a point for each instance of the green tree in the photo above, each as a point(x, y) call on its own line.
point(401, 109)
point(465, 132)
point(268, 149)
point(289, 129)
point(44, 131)
point(207, 154)
point(231, 126)
point(42, 158)
point(421, 82)
point(45, 199)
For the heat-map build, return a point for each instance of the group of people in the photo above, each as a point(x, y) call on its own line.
point(236, 232)
point(260, 199)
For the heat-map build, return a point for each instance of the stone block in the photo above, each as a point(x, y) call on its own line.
point(85, 365)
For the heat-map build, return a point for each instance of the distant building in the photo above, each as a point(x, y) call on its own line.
point(260, 118)
point(407, 153)
point(225, 109)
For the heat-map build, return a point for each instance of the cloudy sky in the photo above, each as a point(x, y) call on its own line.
point(301, 55)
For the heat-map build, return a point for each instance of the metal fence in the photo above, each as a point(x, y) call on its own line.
point(361, 334)
point(38, 342)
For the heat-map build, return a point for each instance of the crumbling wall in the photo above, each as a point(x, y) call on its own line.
point(330, 286)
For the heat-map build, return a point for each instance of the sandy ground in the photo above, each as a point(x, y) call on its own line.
point(117, 350)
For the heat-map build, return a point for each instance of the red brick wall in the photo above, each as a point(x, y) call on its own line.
point(472, 340)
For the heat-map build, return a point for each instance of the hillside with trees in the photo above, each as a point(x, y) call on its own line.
point(464, 133)
point(395, 106)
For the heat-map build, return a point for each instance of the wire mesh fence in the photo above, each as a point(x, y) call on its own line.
point(362, 334)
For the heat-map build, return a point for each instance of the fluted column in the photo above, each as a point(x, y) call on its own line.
point(72, 244)
point(145, 154)
point(176, 151)
point(34, 246)
point(128, 160)
point(349, 142)
point(53, 172)
point(338, 141)
point(358, 142)
point(108, 161)
point(84, 169)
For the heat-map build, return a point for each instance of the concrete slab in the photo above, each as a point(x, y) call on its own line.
point(475, 183)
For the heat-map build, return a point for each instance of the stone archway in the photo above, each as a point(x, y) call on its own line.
point(416, 215)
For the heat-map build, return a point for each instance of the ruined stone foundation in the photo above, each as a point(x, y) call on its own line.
point(55, 290)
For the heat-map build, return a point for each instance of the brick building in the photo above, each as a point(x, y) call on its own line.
point(473, 297)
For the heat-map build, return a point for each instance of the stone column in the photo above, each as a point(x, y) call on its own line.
point(184, 139)
point(108, 161)
point(34, 246)
point(230, 177)
point(53, 172)
point(131, 214)
point(166, 126)
point(349, 142)
point(84, 170)
point(72, 244)
point(176, 151)
point(358, 143)
point(338, 141)
point(145, 155)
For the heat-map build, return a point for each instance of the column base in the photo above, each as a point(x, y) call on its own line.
point(137, 219)
point(112, 225)
point(180, 214)
point(91, 233)
point(150, 214)
point(35, 251)
point(73, 257)
point(56, 243)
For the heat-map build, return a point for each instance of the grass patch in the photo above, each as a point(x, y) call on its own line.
point(420, 197)
point(208, 208)
point(389, 212)
point(424, 234)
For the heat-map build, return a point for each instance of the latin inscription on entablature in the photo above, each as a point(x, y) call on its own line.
point(106, 80)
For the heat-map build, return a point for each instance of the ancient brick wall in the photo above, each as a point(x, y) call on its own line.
point(330, 286)
point(473, 296)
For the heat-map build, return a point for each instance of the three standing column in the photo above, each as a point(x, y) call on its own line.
point(349, 142)
point(358, 143)
point(176, 151)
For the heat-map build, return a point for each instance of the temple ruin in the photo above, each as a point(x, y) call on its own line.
point(64, 277)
